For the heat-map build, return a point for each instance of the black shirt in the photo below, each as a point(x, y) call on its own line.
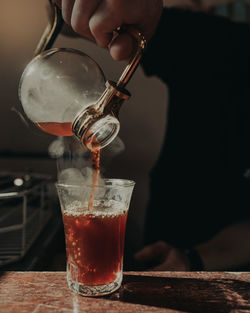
point(199, 184)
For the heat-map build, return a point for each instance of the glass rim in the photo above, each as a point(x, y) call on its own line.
point(100, 123)
point(118, 183)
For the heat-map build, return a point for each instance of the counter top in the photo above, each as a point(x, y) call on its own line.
point(161, 292)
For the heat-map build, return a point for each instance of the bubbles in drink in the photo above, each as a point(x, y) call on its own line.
point(101, 208)
point(95, 242)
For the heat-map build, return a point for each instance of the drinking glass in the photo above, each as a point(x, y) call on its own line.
point(94, 234)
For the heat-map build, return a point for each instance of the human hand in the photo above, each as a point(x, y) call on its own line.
point(164, 257)
point(97, 19)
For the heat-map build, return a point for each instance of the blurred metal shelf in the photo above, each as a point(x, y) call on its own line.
point(24, 212)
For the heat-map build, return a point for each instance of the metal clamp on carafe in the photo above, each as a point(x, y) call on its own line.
point(96, 123)
point(99, 124)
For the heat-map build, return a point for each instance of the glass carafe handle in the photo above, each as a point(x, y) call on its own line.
point(51, 31)
point(98, 121)
point(135, 59)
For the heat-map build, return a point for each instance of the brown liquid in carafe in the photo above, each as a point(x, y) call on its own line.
point(55, 128)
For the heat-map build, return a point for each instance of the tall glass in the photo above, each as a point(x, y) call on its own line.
point(95, 235)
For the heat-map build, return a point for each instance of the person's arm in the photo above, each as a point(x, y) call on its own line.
point(227, 250)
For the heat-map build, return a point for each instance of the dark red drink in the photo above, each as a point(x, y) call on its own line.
point(95, 243)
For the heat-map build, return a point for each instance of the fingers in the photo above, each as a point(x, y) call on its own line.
point(67, 7)
point(154, 252)
point(97, 19)
point(161, 256)
point(175, 260)
point(103, 22)
point(122, 47)
point(81, 13)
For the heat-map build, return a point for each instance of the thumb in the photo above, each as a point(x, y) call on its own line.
point(154, 252)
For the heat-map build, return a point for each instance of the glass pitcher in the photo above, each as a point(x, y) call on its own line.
point(64, 93)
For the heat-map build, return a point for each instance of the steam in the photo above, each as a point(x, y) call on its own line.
point(73, 160)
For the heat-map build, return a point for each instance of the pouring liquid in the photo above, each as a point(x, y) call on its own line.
point(95, 158)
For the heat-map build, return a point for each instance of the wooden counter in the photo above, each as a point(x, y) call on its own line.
point(168, 292)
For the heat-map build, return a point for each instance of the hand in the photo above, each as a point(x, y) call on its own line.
point(97, 19)
point(166, 257)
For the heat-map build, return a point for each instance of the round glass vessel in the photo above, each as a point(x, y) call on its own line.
point(57, 87)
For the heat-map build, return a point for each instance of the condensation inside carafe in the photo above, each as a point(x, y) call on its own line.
point(56, 86)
